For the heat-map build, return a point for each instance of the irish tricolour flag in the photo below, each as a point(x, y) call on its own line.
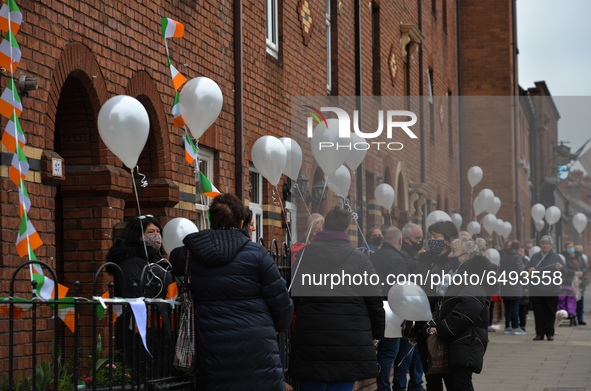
point(10, 11)
point(171, 28)
point(10, 53)
point(28, 238)
point(207, 187)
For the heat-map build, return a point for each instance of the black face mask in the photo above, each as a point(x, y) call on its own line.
point(376, 241)
point(417, 246)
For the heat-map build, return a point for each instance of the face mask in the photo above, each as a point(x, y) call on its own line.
point(454, 262)
point(153, 240)
point(377, 241)
point(417, 246)
point(436, 246)
point(570, 250)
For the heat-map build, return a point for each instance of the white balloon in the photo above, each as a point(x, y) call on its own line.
point(269, 158)
point(294, 158)
point(124, 125)
point(562, 257)
point(579, 222)
point(329, 158)
point(340, 181)
point(384, 195)
point(393, 322)
point(409, 301)
point(474, 175)
point(489, 222)
point(473, 228)
point(486, 198)
point(435, 216)
point(507, 229)
point(478, 208)
point(552, 215)
point(533, 250)
point(457, 219)
point(200, 104)
point(537, 212)
point(493, 256)
point(357, 155)
point(175, 231)
point(494, 206)
point(540, 225)
point(500, 227)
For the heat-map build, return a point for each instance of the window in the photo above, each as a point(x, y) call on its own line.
point(255, 197)
point(444, 10)
point(202, 202)
point(375, 46)
point(328, 48)
point(272, 28)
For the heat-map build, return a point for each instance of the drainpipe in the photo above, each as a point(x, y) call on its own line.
point(515, 121)
point(421, 110)
point(238, 100)
point(358, 93)
point(459, 108)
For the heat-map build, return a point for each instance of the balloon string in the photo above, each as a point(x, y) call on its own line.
point(143, 181)
point(471, 202)
point(323, 191)
point(390, 213)
point(295, 185)
point(277, 201)
point(137, 199)
point(412, 349)
point(355, 217)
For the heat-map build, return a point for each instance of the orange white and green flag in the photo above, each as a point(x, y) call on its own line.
point(190, 149)
point(10, 53)
point(28, 238)
point(176, 111)
point(67, 311)
point(10, 103)
point(172, 291)
point(13, 134)
point(23, 198)
point(101, 311)
point(10, 11)
point(20, 306)
point(177, 78)
point(19, 166)
point(171, 28)
point(207, 187)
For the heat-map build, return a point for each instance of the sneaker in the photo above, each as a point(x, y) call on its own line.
point(519, 332)
point(491, 329)
point(508, 330)
point(582, 323)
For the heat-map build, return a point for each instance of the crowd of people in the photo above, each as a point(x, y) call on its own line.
point(241, 301)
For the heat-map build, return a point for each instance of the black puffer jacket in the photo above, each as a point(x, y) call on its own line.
point(512, 265)
point(389, 263)
point(462, 316)
point(240, 302)
point(334, 328)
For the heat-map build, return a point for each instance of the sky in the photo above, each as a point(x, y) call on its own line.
point(553, 38)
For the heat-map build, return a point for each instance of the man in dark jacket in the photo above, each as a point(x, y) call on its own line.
point(389, 263)
point(240, 302)
point(338, 314)
point(544, 296)
point(412, 243)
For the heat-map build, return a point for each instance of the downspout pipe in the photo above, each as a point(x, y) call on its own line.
point(459, 108)
point(238, 100)
point(422, 108)
point(358, 93)
point(515, 122)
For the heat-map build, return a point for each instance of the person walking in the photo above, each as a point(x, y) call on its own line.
point(461, 316)
point(511, 265)
point(335, 324)
point(544, 297)
point(388, 263)
point(240, 303)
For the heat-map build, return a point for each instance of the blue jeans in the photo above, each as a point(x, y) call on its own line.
point(322, 386)
point(408, 360)
point(511, 312)
point(581, 307)
point(387, 351)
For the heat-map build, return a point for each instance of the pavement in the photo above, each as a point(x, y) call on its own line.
point(517, 363)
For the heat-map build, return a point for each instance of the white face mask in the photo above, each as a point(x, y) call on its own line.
point(153, 240)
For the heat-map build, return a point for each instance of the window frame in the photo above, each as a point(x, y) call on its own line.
point(272, 27)
point(205, 155)
point(257, 207)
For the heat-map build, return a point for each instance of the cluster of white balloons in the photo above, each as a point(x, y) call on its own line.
point(486, 201)
point(273, 157)
point(124, 125)
point(493, 224)
point(405, 302)
point(539, 213)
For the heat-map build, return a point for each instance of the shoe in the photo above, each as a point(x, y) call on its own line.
point(492, 330)
point(582, 323)
point(519, 332)
point(508, 330)
point(538, 338)
point(550, 338)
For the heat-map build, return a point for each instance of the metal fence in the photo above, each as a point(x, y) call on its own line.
point(104, 351)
